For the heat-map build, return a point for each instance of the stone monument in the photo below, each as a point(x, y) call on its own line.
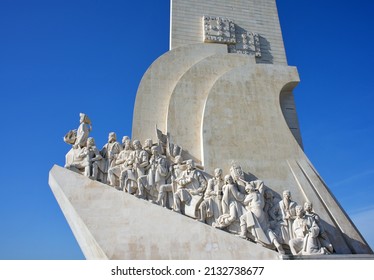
point(222, 173)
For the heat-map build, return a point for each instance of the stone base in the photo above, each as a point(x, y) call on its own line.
point(331, 257)
point(111, 224)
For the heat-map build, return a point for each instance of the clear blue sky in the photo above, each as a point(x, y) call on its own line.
point(60, 58)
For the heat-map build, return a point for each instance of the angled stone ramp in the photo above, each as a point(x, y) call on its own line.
point(158, 83)
point(189, 96)
point(110, 224)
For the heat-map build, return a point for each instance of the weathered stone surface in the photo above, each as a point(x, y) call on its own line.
point(109, 224)
point(156, 87)
point(251, 15)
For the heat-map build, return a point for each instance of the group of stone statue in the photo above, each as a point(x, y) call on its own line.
point(158, 172)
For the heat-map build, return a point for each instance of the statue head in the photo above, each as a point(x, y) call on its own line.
point(190, 164)
point(236, 171)
point(112, 137)
point(268, 195)
point(308, 206)
point(286, 194)
point(299, 211)
point(217, 172)
point(136, 144)
point(228, 179)
point(154, 150)
point(148, 143)
point(90, 142)
point(124, 139)
point(83, 118)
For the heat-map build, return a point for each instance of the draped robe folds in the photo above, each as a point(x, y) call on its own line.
point(232, 207)
point(256, 219)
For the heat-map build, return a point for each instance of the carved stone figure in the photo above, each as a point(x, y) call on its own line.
point(139, 160)
point(121, 164)
point(232, 207)
point(191, 185)
point(78, 139)
point(306, 231)
point(166, 191)
point(170, 182)
point(287, 213)
point(91, 156)
point(211, 207)
point(148, 143)
point(82, 131)
point(149, 185)
point(313, 217)
point(254, 223)
point(109, 153)
point(238, 175)
point(180, 186)
point(124, 140)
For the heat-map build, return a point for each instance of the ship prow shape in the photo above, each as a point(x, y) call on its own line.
point(111, 224)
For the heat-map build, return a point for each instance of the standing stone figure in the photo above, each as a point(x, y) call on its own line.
point(149, 185)
point(238, 175)
point(288, 214)
point(82, 131)
point(78, 139)
point(165, 195)
point(109, 152)
point(211, 207)
point(254, 223)
point(232, 206)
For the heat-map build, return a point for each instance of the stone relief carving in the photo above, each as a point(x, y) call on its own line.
point(247, 43)
point(158, 173)
point(223, 30)
point(219, 30)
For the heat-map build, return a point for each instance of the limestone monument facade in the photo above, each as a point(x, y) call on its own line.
point(222, 173)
